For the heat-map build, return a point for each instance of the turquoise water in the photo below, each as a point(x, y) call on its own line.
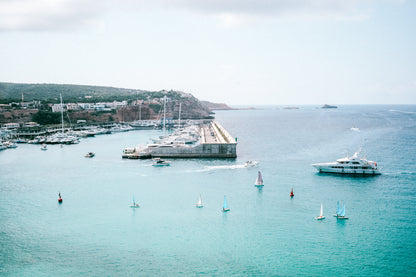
point(266, 233)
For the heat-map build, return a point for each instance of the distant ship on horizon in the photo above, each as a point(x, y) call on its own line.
point(326, 106)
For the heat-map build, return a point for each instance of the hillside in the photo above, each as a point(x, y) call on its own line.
point(216, 106)
point(150, 102)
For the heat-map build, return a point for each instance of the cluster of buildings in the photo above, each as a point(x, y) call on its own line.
point(104, 106)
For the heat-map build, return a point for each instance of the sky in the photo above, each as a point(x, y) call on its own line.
point(239, 52)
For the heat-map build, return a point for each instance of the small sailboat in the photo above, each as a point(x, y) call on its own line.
point(341, 215)
point(59, 198)
point(259, 181)
point(291, 193)
point(225, 206)
point(340, 212)
point(134, 205)
point(321, 215)
point(199, 204)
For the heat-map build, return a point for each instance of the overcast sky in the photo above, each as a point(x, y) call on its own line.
point(241, 52)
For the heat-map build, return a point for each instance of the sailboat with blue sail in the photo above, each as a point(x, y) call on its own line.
point(225, 206)
point(134, 205)
point(340, 212)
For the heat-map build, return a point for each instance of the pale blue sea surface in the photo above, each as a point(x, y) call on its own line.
point(94, 232)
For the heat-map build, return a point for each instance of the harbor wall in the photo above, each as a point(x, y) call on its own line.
point(204, 150)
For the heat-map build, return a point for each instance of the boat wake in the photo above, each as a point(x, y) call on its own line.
point(406, 112)
point(221, 167)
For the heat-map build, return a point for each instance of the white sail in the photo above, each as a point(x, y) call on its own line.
point(199, 204)
point(259, 180)
point(322, 210)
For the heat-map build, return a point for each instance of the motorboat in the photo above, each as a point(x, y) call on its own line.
point(160, 162)
point(349, 165)
point(43, 147)
point(89, 155)
point(251, 163)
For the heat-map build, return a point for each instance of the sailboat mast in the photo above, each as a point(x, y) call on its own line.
point(62, 113)
point(179, 120)
point(164, 113)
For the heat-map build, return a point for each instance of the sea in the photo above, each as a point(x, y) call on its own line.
point(95, 232)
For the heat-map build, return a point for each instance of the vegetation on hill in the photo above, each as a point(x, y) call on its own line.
point(151, 102)
point(12, 92)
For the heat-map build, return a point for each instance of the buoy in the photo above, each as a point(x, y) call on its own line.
point(291, 193)
point(60, 200)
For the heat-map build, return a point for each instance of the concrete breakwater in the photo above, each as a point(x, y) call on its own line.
point(212, 141)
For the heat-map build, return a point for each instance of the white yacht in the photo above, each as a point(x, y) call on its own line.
point(349, 165)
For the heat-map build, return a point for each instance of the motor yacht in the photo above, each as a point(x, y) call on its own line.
point(349, 165)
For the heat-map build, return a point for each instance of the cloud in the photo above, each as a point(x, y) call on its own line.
point(48, 14)
point(73, 14)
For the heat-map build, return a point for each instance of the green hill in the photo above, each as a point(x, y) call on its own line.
point(12, 92)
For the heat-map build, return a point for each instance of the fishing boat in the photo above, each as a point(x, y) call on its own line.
point(291, 193)
point(134, 205)
point(259, 181)
point(340, 212)
point(225, 206)
point(321, 215)
point(199, 204)
point(160, 162)
point(89, 155)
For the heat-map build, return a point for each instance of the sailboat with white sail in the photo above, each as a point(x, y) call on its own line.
point(259, 181)
point(199, 204)
point(225, 206)
point(321, 215)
